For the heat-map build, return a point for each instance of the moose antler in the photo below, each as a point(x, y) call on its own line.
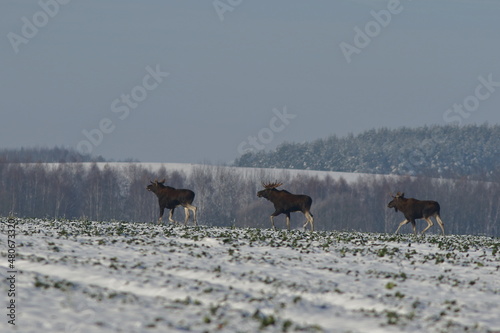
point(157, 181)
point(271, 185)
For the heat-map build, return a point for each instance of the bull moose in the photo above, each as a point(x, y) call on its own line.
point(414, 209)
point(169, 197)
point(286, 203)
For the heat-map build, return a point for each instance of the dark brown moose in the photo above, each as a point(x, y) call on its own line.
point(286, 203)
point(414, 209)
point(169, 197)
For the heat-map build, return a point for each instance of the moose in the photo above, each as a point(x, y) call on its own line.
point(286, 203)
point(416, 209)
point(169, 197)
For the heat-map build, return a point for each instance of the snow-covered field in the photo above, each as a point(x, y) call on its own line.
point(81, 276)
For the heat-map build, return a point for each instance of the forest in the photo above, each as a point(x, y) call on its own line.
point(46, 155)
point(227, 197)
point(436, 151)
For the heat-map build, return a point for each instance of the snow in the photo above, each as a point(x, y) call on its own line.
point(82, 276)
point(245, 172)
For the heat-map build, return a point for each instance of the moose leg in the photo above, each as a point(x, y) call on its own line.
point(193, 209)
point(186, 213)
point(162, 209)
point(309, 219)
point(401, 224)
point(195, 220)
point(170, 216)
point(288, 221)
point(414, 225)
point(440, 222)
point(429, 224)
point(272, 222)
point(276, 213)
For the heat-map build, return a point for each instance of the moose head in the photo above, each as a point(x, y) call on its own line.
point(155, 185)
point(395, 200)
point(268, 188)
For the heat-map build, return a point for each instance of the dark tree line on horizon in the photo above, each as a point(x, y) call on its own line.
point(46, 155)
point(225, 197)
point(434, 151)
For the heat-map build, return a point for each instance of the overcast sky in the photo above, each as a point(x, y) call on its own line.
point(197, 81)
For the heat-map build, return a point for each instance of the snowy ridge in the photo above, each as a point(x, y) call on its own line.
point(246, 172)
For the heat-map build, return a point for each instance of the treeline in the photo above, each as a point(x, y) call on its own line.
point(437, 151)
point(227, 197)
point(46, 155)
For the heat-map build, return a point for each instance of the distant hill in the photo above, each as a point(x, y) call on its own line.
point(45, 155)
point(436, 151)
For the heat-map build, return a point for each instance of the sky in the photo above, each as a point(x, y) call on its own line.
point(206, 81)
